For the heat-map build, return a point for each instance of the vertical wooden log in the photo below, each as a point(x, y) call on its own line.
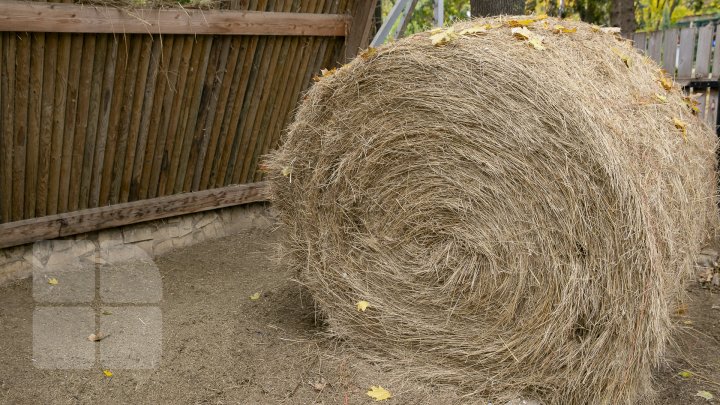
point(73, 90)
point(22, 92)
point(100, 65)
point(7, 87)
point(655, 46)
point(112, 77)
point(46, 122)
point(143, 91)
point(125, 120)
point(640, 41)
point(171, 75)
point(154, 139)
point(215, 85)
point(82, 143)
point(32, 157)
point(58, 130)
point(225, 102)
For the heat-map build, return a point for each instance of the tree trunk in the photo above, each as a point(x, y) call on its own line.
point(622, 14)
point(484, 8)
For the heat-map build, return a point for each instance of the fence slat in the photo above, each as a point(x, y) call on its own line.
point(669, 57)
point(46, 122)
point(81, 122)
point(68, 149)
point(704, 50)
point(640, 41)
point(655, 46)
point(711, 117)
point(22, 90)
point(93, 118)
point(686, 53)
point(32, 157)
point(7, 87)
point(58, 131)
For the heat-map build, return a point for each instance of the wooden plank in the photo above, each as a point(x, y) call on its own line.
point(655, 46)
point(669, 58)
point(68, 152)
point(715, 72)
point(22, 92)
point(3, 102)
point(704, 49)
point(7, 87)
point(39, 17)
point(100, 66)
point(93, 219)
point(58, 130)
point(711, 114)
point(143, 90)
point(640, 41)
point(81, 123)
point(36, 67)
point(686, 54)
point(359, 30)
point(107, 100)
point(46, 122)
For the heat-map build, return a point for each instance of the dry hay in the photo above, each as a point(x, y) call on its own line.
point(519, 220)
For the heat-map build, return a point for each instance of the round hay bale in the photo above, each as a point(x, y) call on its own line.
point(519, 213)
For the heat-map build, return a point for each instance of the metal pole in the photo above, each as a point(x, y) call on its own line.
point(389, 22)
point(439, 13)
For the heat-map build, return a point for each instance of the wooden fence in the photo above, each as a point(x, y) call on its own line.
point(102, 110)
point(691, 57)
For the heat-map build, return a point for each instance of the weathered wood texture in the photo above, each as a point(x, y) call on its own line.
point(93, 219)
point(95, 119)
point(44, 17)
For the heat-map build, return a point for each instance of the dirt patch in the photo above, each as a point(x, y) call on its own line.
point(221, 347)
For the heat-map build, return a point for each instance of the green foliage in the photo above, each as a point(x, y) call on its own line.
point(422, 17)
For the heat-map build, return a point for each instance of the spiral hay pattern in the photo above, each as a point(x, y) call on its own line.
point(519, 220)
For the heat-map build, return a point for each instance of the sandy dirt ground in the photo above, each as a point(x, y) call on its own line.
point(221, 347)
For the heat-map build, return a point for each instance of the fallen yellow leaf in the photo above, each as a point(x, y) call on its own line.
point(107, 373)
point(52, 281)
point(362, 305)
point(705, 394)
point(521, 23)
point(286, 171)
point(692, 104)
point(541, 17)
point(537, 43)
point(661, 98)
point(443, 37)
point(368, 53)
point(623, 57)
point(379, 393)
point(325, 73)
point(558, 29)
point(255, 296)
point(474, 30)
point(665, 81)
point(685, 374)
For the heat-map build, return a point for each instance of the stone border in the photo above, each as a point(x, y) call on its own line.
point(156, 238)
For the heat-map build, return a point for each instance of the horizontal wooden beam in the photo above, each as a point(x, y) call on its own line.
point(93, 219)
point(24, 16)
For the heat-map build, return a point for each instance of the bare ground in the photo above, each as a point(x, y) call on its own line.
point(221, 347)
